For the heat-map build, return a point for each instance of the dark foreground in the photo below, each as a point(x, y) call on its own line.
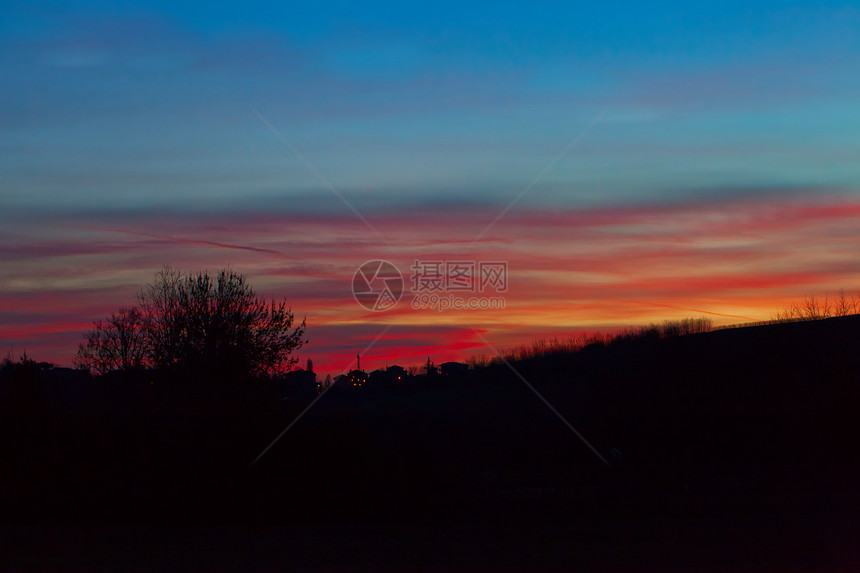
point(657, 543)
point(733, 450)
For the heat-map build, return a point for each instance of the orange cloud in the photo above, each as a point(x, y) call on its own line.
point(596, 268)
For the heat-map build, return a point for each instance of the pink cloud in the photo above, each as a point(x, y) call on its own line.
point(577, 268)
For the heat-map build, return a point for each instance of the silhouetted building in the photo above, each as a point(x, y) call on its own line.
point(376, 377)
point(453, 368)
point(357, 378)
point(396, 373)
point(298, 383)
point(388, 377)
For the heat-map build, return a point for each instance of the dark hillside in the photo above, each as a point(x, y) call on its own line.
point(734, 434)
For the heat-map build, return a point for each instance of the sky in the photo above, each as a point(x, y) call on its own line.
point(630, 162)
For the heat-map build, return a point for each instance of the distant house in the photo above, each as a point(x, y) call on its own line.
point(453, 368)
point(357, 378)
point(387, 377)
point(396, 373)
point(299, 384)
point(377, 377)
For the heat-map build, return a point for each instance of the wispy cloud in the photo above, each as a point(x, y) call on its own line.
point(580, 269)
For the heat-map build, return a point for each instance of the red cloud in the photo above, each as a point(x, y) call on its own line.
point(575, 268)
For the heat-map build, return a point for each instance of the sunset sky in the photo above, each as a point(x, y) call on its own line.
point(648, 161)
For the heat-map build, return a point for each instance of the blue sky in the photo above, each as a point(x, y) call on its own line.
point(126, 105)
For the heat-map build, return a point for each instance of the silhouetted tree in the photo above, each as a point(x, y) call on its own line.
point(117, 343)
point(217, 325)
point(844, 304)
point(430, 368)
point(812, 308)
point(213, 326)
point(162, 303)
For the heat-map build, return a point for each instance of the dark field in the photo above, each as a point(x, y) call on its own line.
point(731, 450)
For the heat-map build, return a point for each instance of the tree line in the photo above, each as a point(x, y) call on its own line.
point(812, 308)
point(215, 325)
point(553, 346)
